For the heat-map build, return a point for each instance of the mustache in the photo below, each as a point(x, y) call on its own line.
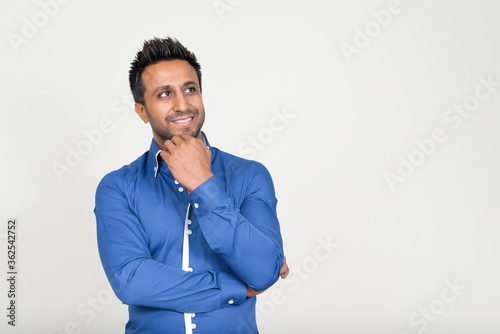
point(190, 112)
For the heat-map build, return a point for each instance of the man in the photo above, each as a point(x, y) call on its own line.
point(188, 235)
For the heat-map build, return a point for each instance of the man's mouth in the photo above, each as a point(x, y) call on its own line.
point(183, 121)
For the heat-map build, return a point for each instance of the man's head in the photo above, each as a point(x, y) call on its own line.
point(165, 80)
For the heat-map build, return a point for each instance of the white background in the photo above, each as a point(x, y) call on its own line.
point(355, 118)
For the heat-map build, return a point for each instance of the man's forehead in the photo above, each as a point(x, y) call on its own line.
point(171, 72)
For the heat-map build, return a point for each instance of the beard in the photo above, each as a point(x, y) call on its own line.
point(164, 132)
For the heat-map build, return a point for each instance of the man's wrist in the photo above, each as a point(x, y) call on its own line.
point(233, 290)
point(207, 197)
point(193, 186)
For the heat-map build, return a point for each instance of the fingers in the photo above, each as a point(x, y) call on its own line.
point(170, 144)
point(251, 292)
point(165, 155)
point(186, 137)
point(179, 139)
point(284, 270)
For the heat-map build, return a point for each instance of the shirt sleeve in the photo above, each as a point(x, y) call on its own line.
point(139, 280)
point(247, 237)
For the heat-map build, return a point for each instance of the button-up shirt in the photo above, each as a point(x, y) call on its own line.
point(182, 262)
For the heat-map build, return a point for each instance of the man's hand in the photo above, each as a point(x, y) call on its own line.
point(251, 292)
point(284, 273)
point(188, 159)
point(284, 270)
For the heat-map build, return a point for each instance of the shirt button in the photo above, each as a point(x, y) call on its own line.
point(176, 182)
point(181, 189)
point(189, 232)
point(196, 205)
point(189, 221)
point(231, 302)
point(193, 326)
point(192, 315)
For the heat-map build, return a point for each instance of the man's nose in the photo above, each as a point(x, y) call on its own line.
point(181, 104)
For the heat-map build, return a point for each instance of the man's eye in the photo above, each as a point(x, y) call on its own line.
point(190, 89)
point(164, 94)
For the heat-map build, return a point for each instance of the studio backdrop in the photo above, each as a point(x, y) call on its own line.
point(378, 121)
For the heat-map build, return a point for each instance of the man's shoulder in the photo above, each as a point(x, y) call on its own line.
point(231, 158)
point(237, 164)
point(244, 176)
point(127, 173)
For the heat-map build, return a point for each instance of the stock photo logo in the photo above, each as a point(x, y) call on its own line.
point(427, 314)
point(122, 107)
point(31, 26)
point(380, 20)
point(250, 147)
point(454, 118)
point(222, 7)
point(299, 273)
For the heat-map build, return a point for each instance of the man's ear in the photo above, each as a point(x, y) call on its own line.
point(141, 111)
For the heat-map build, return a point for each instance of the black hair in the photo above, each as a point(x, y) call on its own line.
point(154, 51)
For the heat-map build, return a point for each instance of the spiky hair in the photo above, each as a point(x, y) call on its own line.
point(154, 51)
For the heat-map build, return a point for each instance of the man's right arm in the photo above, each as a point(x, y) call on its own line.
point(136, 278)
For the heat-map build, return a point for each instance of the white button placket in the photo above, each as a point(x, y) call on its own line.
point(188, 324)
point(157, 164)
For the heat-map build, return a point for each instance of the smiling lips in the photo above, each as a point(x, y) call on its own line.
point(184, 121)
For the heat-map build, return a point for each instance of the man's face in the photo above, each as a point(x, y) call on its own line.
point(173, 101)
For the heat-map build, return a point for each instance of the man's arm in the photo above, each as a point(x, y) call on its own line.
point(139, 280)
point(283, 274)
point(248, 238)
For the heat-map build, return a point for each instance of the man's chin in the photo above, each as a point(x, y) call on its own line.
point(189, 132)
point(195, 134)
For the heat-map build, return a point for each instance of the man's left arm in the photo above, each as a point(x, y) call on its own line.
point(248, 238)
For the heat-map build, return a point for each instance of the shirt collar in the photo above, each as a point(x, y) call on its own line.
point(156, 162)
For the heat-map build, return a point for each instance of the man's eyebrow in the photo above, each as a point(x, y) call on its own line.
point(187, 83)
point(160, 88)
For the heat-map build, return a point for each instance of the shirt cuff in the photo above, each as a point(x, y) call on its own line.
point(233, 290)
point(207, 196)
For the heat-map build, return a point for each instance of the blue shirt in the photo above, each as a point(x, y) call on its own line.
point(182, 262)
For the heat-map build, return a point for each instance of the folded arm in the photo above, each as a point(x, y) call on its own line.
point(136, 278)
point(247, 237)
